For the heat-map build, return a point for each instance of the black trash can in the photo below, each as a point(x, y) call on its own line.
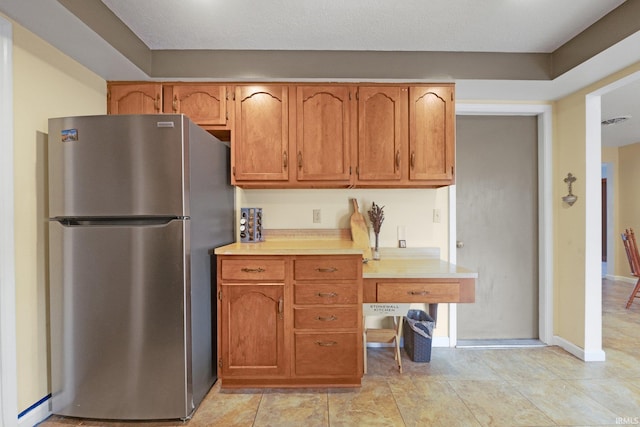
point(417, 332)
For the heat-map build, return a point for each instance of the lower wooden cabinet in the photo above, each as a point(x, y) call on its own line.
point(252, 337)
point(290, 320)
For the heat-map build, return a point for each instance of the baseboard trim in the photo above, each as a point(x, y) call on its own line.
point(37, 413)
point(621, 279)
point(579, 352)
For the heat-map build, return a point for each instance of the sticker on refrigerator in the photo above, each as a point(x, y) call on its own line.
point(69, 135)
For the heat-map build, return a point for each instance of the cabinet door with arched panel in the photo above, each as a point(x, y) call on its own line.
point(134, 98)
point(432, 134)
point(260, 146)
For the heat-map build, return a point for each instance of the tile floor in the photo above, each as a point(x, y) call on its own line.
point(459, 387)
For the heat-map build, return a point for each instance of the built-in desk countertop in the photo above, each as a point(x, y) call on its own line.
point(401, 275)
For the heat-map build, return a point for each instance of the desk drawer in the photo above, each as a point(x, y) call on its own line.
point(326, 268)
point(325, 318)
point(253, 269)
point(337, 293)
point(418, 292)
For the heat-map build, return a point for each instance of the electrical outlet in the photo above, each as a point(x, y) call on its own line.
point(436, 215)
point(316, 216)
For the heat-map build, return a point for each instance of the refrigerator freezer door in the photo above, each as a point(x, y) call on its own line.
point(102, 166)
point(118, 321)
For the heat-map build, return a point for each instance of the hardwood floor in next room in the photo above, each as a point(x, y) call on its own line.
point(459, 387)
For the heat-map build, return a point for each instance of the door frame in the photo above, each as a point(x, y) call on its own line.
point(545, 213)
point(593, 240)
point(8, 379)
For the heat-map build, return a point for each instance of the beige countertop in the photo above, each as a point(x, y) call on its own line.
point(291, 247)
point(414, 268)
point(392, 265)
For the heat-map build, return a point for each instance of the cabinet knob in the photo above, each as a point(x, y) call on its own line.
point(413, 159)
point(299, 159)
point(156, 103)
point(285, 159)
point(175, 103)
point(331, 318)
point(397, 159)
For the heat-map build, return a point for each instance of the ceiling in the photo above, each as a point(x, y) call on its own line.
point(408, 25)
point(468, 32)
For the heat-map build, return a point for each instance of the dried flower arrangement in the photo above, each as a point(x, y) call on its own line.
point(376, 216)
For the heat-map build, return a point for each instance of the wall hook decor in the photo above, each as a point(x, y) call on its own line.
point(570, 198)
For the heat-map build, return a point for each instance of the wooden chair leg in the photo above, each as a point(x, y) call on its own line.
point(398, 321)
point(634, 294)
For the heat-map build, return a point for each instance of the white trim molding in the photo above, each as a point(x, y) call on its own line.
point(8, 380)
point(593, 220)
point(545, 204)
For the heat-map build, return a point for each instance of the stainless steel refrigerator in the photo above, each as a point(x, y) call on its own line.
point(136, 202)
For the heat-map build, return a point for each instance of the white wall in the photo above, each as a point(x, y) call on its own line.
point(46, 83)
point(409, 208)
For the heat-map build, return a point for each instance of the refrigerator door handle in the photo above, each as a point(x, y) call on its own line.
point(87, 222)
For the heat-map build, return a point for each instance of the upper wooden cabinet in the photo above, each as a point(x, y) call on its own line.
point(315, 135)
point(323, 130)
point(382, 133)
point(261, 134)
point(431, 134)
point(204, 104)
point(134, 98)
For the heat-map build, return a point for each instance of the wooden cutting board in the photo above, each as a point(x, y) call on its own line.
point(360, 231)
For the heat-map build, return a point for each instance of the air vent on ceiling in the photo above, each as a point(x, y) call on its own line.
point(615, 120)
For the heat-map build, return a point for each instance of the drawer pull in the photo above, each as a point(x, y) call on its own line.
point(418, 292)
point(326, 343)
point(327, 319)
point(326, 270)
point(253, 270)
point(327, 294)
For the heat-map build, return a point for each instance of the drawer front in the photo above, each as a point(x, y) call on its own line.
point(338, 293)
point(326, 268)
point(250, 269)
point(327, 354)
point(325, 317)
point(418, 292)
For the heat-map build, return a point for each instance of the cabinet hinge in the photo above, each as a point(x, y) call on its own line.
point(220, 363)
